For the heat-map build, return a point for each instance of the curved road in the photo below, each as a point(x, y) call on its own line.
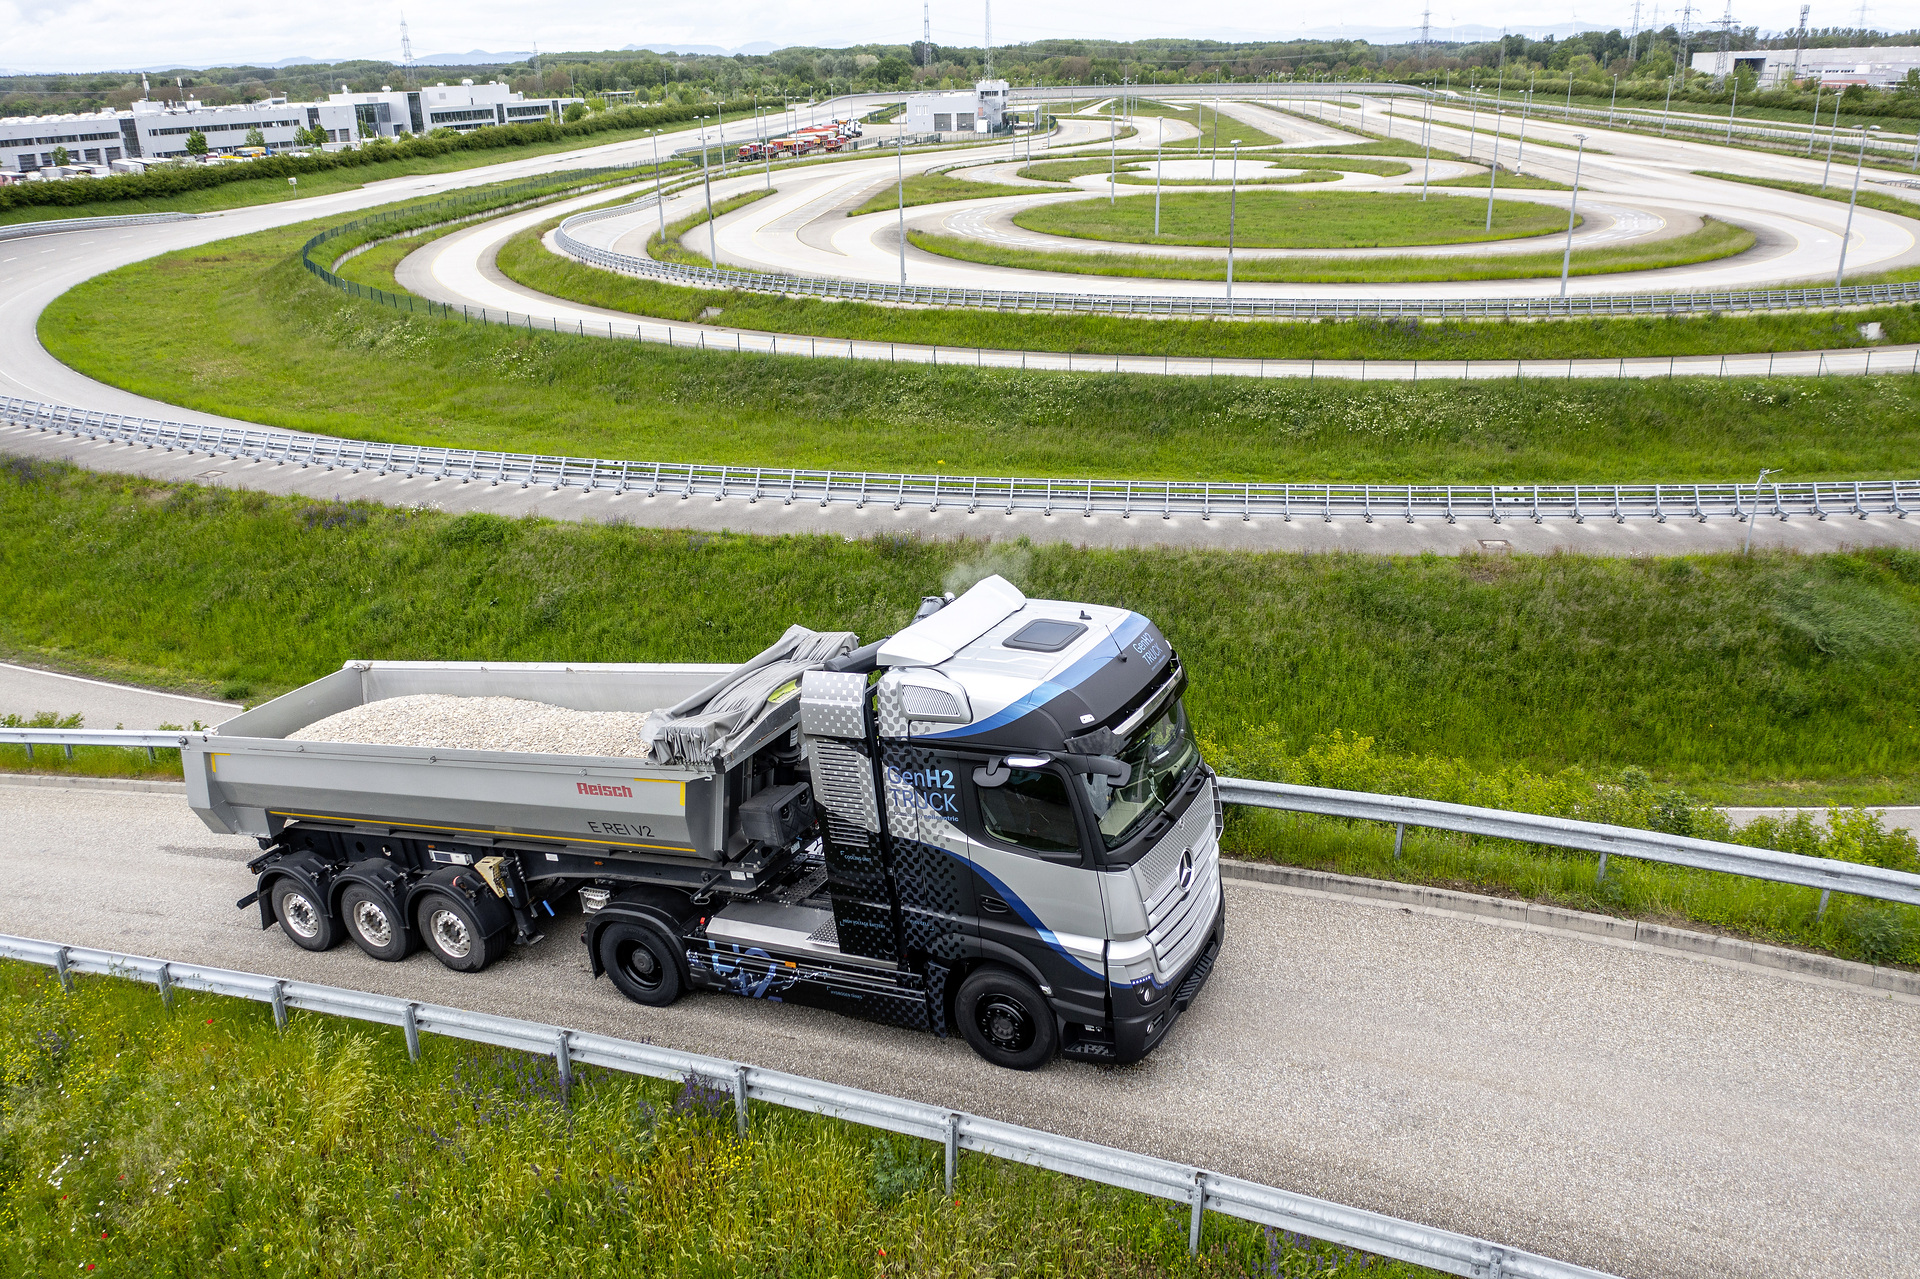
point(1635, 1110)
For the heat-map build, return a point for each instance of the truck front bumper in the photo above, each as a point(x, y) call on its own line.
point(1135, 1036)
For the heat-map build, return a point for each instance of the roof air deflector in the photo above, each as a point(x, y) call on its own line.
point(939, 637)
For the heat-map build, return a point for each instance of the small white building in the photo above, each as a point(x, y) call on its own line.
point(1873, 67)
point(981, 109)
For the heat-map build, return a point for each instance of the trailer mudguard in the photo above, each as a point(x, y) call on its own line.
point(671, 912)
point(313, 873)
point(386, 879)
point(464, 882)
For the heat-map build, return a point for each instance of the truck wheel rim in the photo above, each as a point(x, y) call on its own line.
point(1005, 1023)
point(300, 915)
point(638, 962)
point(373, 925)
point(450, 933)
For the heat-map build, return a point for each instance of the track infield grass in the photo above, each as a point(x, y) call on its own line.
point(1286, 220)
point(238, 328)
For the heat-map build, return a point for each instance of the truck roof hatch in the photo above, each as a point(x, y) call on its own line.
point(931, 642)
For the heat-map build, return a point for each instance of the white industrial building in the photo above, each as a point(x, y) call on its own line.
point(981, 109)
point(159, 130)
point(1873, 67)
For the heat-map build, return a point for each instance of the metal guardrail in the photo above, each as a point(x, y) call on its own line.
point(56, 225)
point(1212, 305)
point(1818, 499)
point(1824, 873)
point(1204, 1191)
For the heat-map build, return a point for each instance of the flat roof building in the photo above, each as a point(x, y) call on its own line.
point(1873, 67)
point(159, 130)
point(981, 109)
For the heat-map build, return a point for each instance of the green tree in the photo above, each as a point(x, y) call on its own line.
point(892, 71)
point(196, 143)
point(574, 111)
point(255, 138)
point(61, 155)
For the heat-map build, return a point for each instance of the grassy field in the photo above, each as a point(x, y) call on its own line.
point(1746, 672)
point(1843, 192)
point(1508, 181)
point(1561, 684)
point(238, 328)
point(1329, 220)
point(1215, 129)
point(1712, 241)
point(203, 1142)
point(523, 259)
point(936, 188)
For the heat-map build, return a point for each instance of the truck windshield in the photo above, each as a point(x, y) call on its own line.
point(1162, 754)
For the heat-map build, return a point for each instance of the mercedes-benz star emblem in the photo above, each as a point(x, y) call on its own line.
point(1186, 869)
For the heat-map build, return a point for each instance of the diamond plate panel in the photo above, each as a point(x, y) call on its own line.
point(832, 704)
point(889, 710)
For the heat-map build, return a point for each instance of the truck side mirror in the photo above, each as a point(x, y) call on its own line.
point(1104, 766)
point(995, 773)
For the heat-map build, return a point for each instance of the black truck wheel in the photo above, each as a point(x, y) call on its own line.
point(303, 917)
point(1005, 1019)
point(374, 923)
point(452, 931)
point(642, 963)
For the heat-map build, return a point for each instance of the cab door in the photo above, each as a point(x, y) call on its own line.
point(1038, 896)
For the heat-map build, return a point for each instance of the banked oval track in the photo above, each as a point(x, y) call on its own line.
point(1646, 1113)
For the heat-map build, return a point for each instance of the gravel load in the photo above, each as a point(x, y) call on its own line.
point(482, 724)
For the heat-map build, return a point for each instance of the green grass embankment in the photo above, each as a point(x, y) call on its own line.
point(240, 329)
point(523, 259)
point(204, 1142)
point(1562, 684)
point(1318, 220)
point(1843, 193)
point(1714, 240)
point(667, 247)
point(937, 188)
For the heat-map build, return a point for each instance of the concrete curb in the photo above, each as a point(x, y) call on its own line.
point(1559, 918)
point(124, 785)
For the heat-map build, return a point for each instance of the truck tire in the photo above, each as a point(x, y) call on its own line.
point(451, 930)
point(1007, 1021)
point(642, 963)
point(374, 923)
point(304, 917)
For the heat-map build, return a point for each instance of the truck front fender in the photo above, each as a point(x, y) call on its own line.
point(673, 913)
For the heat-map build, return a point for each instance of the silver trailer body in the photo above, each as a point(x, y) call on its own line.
point(246, 778)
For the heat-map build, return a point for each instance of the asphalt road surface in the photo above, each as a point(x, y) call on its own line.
point(1637, 1111)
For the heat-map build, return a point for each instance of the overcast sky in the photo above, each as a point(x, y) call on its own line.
point(81, 35)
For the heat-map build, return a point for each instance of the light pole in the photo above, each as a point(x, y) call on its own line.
point(1159, 164)
point(1852, 200)
point(1520, 154)
point(1426, 171)
point(706, 180)
point(1493, 167)
point(659, 200)
point(1832, 133)
point(1233, 201)
point(1113, 158)
point(900, 165)
point(1613, 100)
point(1754, 514)
point(1473, 120)
point(1813, 133)
point(1566, 258)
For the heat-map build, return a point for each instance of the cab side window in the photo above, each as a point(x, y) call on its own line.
point(1032, 811)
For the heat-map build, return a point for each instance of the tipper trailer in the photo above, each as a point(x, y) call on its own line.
point(995, 820)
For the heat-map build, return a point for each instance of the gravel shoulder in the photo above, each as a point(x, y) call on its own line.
point(1644, 1113)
